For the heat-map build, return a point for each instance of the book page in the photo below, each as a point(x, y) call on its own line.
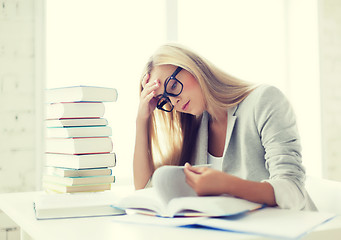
point(144, 199)
point(272, 222)
point(170, 182)
point(212, 206)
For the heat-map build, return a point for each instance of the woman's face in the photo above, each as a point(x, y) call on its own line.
point(191, 99)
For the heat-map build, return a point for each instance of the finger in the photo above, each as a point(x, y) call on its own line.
point(190, 175)
point(194, 169)
point(145, 79)
point(149, 88)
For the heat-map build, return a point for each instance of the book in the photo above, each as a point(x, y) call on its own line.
point(79, 145)
point(75, 110)
point(67, 172)
point(72, 181)
point(60, 188)
point(269, 222)
point(88, 131)
point(81, 93)
point(81, 161)
point(54, 206)
point(76, 122)
point(171, 196)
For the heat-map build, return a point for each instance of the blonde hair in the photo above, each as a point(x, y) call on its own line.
point(172, 136)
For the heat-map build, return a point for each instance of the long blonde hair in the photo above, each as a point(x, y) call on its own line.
point(172, 136)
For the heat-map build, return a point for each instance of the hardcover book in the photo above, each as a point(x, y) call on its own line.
point(81, 93)
point(79, 145)
point(74, 132)
point(73, 181)
point(80, 161)
point(75, 110)
point(76, 122)
point(60, 188)
point(68, 172)
point(51, 206)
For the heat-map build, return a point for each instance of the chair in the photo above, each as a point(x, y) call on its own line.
point(326, 194)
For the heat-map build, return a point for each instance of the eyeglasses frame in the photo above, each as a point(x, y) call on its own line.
point(165, 94)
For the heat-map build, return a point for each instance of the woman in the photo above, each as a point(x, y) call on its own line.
point(203, 115)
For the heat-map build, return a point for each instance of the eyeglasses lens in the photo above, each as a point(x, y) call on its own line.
point(165, 104)
point(173, 87)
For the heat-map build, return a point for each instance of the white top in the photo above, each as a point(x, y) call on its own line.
point(216, 162)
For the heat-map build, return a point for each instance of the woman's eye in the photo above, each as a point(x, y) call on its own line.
point(174, 85)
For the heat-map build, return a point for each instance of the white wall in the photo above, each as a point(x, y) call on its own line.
point(330, 75)
point(18, 107)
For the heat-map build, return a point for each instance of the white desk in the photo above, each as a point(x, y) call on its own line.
point(19, 207)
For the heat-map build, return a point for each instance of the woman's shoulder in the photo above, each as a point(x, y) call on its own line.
point(263, 98)
point(266, 91)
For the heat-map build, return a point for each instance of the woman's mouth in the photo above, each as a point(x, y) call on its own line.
point(184, 107)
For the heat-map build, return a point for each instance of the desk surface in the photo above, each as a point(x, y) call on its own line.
point(19, 207)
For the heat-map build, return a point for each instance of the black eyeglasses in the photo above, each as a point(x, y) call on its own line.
point(173, 88)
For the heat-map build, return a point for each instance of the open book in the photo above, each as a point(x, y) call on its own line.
point(171, 196)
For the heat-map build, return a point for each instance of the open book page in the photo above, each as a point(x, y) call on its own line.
point(170, 182)
point(172, 196)
point(210, 206)
point(143, 201)
point(272, 222)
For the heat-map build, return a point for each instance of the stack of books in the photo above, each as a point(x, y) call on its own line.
point(79, 154)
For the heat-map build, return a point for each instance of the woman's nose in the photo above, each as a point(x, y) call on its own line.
point(174, 100)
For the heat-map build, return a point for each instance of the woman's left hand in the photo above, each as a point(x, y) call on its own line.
point(207, 181)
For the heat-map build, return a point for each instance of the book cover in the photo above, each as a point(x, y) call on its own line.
point(80, 161)
point(79, 145)
point(76, 122)
point(75, 110)
point(73, 181)
point(81, 93)
point(74, 132)
point(68, 172)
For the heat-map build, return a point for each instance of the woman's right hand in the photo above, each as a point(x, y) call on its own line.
point(148, 100)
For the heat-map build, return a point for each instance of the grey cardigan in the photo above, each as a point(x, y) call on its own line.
point(263, 144)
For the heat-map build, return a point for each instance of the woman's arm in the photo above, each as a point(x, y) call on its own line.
point(207, 181)
point(142, 164)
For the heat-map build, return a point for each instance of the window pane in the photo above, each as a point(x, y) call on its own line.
point(245, 38)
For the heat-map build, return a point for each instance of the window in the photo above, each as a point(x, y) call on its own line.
point(107, 43)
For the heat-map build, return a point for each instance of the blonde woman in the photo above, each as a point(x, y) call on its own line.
point(192, 113)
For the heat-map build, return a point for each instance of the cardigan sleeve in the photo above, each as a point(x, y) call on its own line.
point(277, 128)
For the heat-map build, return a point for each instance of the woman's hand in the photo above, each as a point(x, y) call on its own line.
point(207, 181)
point(147, 99)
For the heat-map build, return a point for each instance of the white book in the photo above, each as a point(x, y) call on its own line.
point(49, 206)
point(73, 132)
point(171, 196)
point(76, 122)
point(68, 172)
point(60, 188)
point(81, 93)
point(268, 223)
point(72, 181)
point(81, 161)
point(79, 145)
point(75, 110)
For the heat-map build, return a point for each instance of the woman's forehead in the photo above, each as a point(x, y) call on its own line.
point(162, 72)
